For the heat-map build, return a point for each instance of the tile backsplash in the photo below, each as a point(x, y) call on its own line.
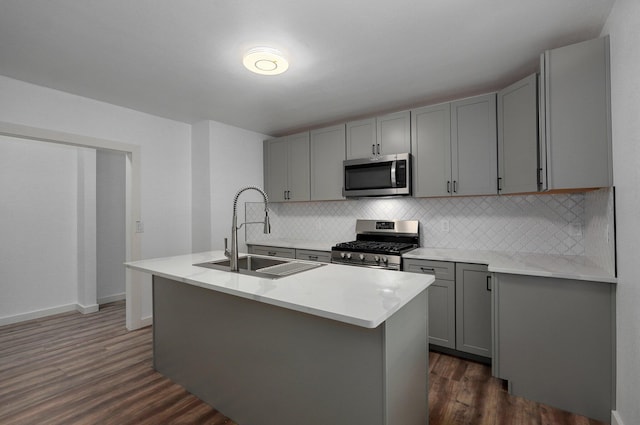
point(549, 224)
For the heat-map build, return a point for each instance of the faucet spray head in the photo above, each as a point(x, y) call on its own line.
point(267, 224)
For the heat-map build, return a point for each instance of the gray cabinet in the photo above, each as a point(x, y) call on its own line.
point(442, 299)
point(272, 251)
point(473, 309)
point(286, 252)
point(313, 255)
point(455, 148)
point(431, 150)
point(555, 340)
point(518, 162)
point(474, 146)
point(576, 116)
point(383, 135)
point(327, 151)
point(286, 168)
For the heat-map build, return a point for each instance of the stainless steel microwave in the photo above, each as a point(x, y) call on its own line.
point(388, 175)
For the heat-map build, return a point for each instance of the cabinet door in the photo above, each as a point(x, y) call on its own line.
point(393, 133)
point(474, 146)
point(327, 148)
point(361, 139)
point(313, 255)
point(578, 115)
point(272, 251)
point(473, 309)
point(518, 137)
point(431, 150)
point(275, 168)
point(442, 314)
point(298, 168)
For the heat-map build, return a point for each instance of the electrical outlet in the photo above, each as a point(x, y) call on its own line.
point(444, 226)
point(139, 226)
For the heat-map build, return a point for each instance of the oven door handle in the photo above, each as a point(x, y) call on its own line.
point(393, 173)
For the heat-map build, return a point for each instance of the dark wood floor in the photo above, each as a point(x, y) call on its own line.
point(87, 369)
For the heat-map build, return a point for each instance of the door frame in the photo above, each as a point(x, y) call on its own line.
point(133, 280)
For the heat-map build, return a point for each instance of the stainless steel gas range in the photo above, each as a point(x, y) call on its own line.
point(379, 244)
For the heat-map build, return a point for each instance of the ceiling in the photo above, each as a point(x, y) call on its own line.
point(182, 59)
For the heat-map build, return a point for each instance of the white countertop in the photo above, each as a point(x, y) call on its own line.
point(295, 243)
point(560, 266)
point(355, 295)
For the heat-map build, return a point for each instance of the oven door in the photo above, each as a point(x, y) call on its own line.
point(383, 176)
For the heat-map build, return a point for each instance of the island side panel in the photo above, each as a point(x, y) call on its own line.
point(258, 363)
point(407, 364)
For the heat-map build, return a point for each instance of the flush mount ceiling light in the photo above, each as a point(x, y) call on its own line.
point(265, 61)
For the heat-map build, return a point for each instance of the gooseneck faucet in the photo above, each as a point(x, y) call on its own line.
point(233, 254)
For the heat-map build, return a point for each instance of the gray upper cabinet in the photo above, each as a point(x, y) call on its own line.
point(361, 139)
point(518, 137)
point(327, 147)
point(576, 116)
point(474, 146)
point(286, 168)
point(455, 148)
point(384, 135)
point(431, 149)
point(393, 133)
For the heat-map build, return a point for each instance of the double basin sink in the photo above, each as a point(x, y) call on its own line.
point(270, 268)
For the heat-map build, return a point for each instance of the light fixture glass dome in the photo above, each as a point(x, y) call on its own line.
point(265, 61)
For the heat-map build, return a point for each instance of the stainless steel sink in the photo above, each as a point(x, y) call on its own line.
point(272, 268)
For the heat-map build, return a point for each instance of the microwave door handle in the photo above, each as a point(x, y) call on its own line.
point(393, 173)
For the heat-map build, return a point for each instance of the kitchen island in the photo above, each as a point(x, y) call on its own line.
point(335, 344)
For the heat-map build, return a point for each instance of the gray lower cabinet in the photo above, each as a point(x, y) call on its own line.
point(473, 309)
point(442, 299)
point(272, 251)
point(459, 305)
point(554, 341)
point(299, 254)
point(312, 255)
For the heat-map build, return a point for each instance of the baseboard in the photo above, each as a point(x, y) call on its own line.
point(111, 298)
point(37, 314)
point(146, 321)
point(86, 309)
point(615, 418)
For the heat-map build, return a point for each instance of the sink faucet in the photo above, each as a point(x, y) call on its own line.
point(233, 254)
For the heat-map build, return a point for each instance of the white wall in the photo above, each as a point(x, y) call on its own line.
point(234, 161)
point(38, 224)
point(110, 225)
point(165, 168)
point(623, 26)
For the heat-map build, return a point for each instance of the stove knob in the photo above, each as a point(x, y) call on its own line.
point(361, 256)
point(376, 258)
point(384, 259)
point(342, 255)
point(348, 256)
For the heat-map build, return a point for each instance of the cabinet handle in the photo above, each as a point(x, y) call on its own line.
point(272, 253)
point(499, 184)
point(373, 149)
point(313, 257)
point(378, 149)
point(539, 176)
point(429, 270)
point(455, 186)
point(448, 186)
point(488, 283)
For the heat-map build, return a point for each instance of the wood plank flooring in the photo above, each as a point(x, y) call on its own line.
point(88, 369)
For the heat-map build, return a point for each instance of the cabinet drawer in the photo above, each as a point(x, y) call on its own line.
point(440, 269)
point(306, 254)
point(272, 251)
